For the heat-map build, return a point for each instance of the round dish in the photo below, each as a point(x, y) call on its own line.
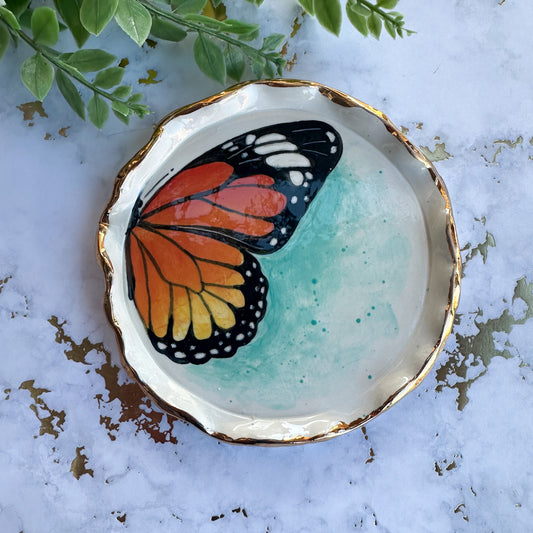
point(340, 260)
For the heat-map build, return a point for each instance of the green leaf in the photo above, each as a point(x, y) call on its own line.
point(239, 28)
point(270, 70)
point(37, 74)
point(256, 2)
point(95, 14)
point(209, 58)
point(90, 60)
point(360, 9)
point(44, 26)
point(98, 111)
point(134, 19)
point(188, 6)
point(70, 93)
point(329, 14)
point(135, 97)
point(235, 64)
point(359, 22)
point(388, 4)
point(163, 29)
point(69, 11)
point(109, 77)
point(122, 92)
point(120, 107)
point(273, 41)
point(391, 28)
point(308, 6)
point(17, 6)
point(25, 18)
point(258, 67)
point(374, 25)
point(8, 16)
point(121, 117)
point(4, 40)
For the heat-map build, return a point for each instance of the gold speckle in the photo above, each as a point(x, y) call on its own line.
point(296, 25)
point(124, 62)
point(4, 281)
point(150, 80)
point(63, 131)
point(53, 422)
point(509, 143)
point(78, 466)
point(405, 130)
point(438, 154)
point(29, 109)
point(477, 351)
point(482, 249)
point(419, 125)
point(121, 518)
point(47, 137)
point(151, 43)
point(7, 392)
point(371, 453)
point(218, 13)
point(134, 405)
point(461, 509)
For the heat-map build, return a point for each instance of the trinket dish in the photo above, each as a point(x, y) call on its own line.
point(281, 263)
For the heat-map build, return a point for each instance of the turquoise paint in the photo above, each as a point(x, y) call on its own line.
point(312, 282)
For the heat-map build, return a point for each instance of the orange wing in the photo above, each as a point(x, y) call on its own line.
point(198, 296)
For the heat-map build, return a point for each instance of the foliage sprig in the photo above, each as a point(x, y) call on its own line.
point(222, 47)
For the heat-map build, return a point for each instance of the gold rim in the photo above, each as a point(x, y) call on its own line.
point(344, 100)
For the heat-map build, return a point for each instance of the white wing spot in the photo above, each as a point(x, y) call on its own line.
point(331, 135)
point(296, 177)
point(179, 355)
point(227, 348)
point(309, 176)
point(199, 355)
point(252, 325)
point(233, 148)
point(239, 337)
point(333, 149)
point(213, 351)
point(227, 145)
point(283, 231)
point(248, 273)
point(275, 147)
point(294, 199)
point(161, 345)
point(260, 304)
point(306, 198)
point(258, 314)
point(273, 242)
point(287, 160)
point(269, 137)
point(244, 155)
point(262, 291)
point(250, 139)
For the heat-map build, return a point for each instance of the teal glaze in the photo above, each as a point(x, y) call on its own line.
point(330, 295)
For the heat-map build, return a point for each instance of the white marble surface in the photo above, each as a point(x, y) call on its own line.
point(82, 450)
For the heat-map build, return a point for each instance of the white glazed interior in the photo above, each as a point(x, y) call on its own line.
point(423, 305)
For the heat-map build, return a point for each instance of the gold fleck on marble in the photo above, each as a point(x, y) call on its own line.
point(481, 249)
point(296, 25)
point(124, 62)
point(47, 137)
point(150, 43)
point(473, 353)
point(461, 509)
point(51, 420)
point(78, 466)
point(135, 407)
point(151, 78)
point(371, 454)
point(63, 131)
point(4, 281)
point(218, 12)
point(30, 109)
point(439, 153)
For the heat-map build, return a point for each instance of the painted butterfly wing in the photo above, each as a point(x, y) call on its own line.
point(198, 289)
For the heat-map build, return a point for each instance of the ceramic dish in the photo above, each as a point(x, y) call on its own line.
point(281, 263)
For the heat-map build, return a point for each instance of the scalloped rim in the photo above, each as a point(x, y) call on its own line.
point(345, 100)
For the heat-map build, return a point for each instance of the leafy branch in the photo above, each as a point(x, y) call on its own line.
point(366, 17)
point(222, 48)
